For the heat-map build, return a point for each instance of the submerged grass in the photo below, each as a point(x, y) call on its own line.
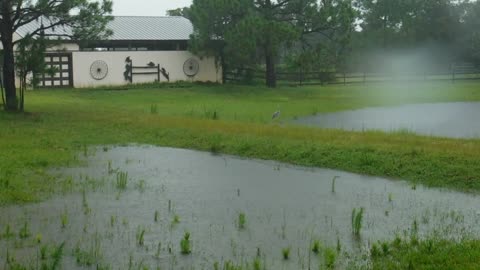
point(63, 123)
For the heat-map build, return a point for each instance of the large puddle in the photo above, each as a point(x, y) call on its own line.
point(456, 120)
point(171, 191)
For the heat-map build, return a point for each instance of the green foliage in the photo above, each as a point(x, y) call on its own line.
point(183, 12)
point(8, 232)
point(86, 18)
point(140, 236)
point(272, 26)
point(185, 244)
point(431, 253)
point(24, 231)
point(316, 246)
point(357, 219)
point(122, 180)
point(89, 256)
point(286, 253)
point(242, 220)
point(257, 264)
point(330, 257)
point(64, 219)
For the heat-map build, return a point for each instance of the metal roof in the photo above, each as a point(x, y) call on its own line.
point(133, 28)
point(150, 28)
point(34, 25)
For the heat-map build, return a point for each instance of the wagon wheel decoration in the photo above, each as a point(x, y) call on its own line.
point(99, 70)
point(191, 67)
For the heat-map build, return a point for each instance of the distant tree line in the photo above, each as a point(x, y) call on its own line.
point(331, 35)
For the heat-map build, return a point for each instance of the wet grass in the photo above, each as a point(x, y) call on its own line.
point(430, 253)
point(64, 122)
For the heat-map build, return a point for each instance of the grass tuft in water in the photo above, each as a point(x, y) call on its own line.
point(24, 231)
point(316, 246)
point(339, 245)
point(64, 220)
point(141, 185)
point(8, 232)
point(113, 220)
point(257, 264)
point(122, 180)
point(286, 253)
point(176, 219)
point(357, 219)
point(242, 220)
point(185, 244)
point(43, 252)
point(156, 215)
point(330, 258)
point(140, 236)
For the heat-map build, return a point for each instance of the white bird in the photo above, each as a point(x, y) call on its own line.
point(276, 114)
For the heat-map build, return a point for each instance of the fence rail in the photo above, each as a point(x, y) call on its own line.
point(322, 77)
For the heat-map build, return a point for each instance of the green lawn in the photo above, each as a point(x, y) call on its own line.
point(431, 253)
point(60, 123)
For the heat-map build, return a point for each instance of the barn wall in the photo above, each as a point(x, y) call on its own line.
point(172, 61)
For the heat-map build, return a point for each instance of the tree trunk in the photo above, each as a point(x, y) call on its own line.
point(6, 33)
point(271, 77)
point(9, 75)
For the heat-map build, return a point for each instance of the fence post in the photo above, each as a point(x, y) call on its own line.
point(158, 72)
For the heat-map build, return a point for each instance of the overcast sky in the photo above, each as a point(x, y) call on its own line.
point(147, 7)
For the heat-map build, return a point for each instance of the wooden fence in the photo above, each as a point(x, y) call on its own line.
point(322, 77)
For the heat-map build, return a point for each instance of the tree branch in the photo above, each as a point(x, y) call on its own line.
point(43, 28)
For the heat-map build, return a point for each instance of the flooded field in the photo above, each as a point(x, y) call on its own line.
point(142, 207)
point(456, 119)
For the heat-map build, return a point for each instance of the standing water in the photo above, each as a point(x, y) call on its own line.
point(456, 119)
point(137, 204)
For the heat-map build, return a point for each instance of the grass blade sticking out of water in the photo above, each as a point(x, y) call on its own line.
point(24, 231)
point(122, 180)
point(242, 220)
point(140, 236)
point(357, 219)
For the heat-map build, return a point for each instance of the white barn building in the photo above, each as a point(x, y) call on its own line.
point(141, 50)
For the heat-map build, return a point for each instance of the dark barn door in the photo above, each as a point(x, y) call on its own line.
point(62, 64)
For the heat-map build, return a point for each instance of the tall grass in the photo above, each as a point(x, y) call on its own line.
point(357, 220)
point(121, 180)
point(242, 220)
point(185, 244)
